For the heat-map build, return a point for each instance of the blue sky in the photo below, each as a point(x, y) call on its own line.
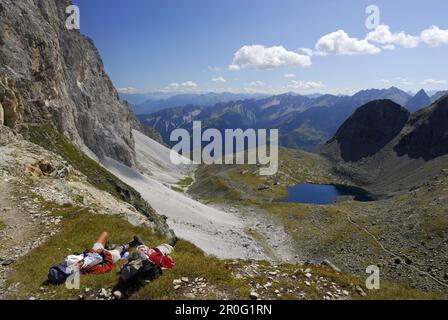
point(255, 45)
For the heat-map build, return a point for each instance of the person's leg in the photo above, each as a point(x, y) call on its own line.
point(122, 248)
point(116, 255)
point(118, 252)
point(103, 238)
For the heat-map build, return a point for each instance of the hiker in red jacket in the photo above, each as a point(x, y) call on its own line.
point(109, 256)
point(159, 255)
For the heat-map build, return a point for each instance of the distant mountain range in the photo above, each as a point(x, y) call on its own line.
point(139, 98)
point(393, 93)
point(150, 103)
point(304, 121)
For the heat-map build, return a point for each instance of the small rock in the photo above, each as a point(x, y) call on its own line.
point(177, 282)
point(7, 262)
point(308, 275)
point(177, 287)
point(331, 265)
point(185, 279)
point(103, 292)
point(117, 294)
point(360, 291)
point(254, 295)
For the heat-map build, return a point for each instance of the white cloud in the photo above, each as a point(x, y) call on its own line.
point(388, 47)
point(257, 83)
point(187, 85)
point(260, 57)
point(386, 82)
point(307, 51)
point(433, 82)
point(405, 81)
point(340, 43)
point(290, 75)
point(434, 36)
point(129, 90)
point(219, 79)
point(305, 85)
point(383, 35)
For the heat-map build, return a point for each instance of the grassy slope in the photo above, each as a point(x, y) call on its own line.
point(96, 175)
point(79, 232)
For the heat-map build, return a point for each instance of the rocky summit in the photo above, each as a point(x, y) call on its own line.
point(369, 129)
point(419, 101)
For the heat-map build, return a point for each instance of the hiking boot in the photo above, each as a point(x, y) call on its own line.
point(109, 246)
point(136, 241)
point(173, 241)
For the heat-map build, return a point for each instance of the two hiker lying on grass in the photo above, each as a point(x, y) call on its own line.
point(102, 257)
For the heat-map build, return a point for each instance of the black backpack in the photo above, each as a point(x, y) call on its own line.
point(57, 275)
point(141, 270)
point(149, 272)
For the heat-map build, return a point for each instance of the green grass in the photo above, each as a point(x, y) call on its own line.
point(80, 231)
point(177, 189)
point(208, 185)
point(186, 182)
point(2, 226)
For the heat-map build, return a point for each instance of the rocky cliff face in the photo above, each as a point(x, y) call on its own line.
point(427, 133)
point(11, 108)
point(369, 129)
point(52, 75)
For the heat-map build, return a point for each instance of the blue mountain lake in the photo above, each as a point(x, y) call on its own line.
point(323, 194)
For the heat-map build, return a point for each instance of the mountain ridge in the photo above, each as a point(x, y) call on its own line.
point(303, 121)
point(419, 101)
point(204, 100)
